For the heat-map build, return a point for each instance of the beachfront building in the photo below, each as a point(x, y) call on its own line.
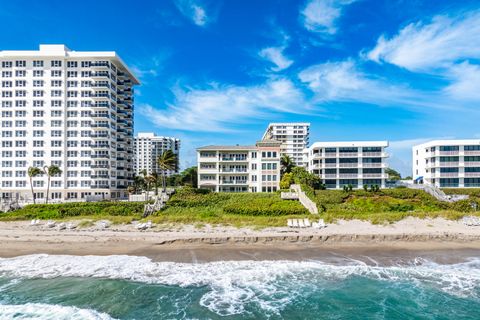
point(447, 163)
point(148, 147)
point(294, 137)
point(355, 163)
point(240, 168)
point(70, 109)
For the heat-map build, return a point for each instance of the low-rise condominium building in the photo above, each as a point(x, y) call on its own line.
point(447, 163)
point(355, 163)
point(240, 168)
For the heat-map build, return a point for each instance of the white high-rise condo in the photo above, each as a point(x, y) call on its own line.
point(355, 163)
point(148, 147)
point(240, 168)
point(294, 137)
point(447, 163)
point(70, 109)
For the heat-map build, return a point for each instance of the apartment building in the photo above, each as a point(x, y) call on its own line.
point(294, 137)
point(355, 163)
point(71, 109)
point(447, 163)
point(240, 168)
point(148, 147)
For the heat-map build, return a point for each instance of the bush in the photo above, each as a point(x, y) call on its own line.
point(74, 209)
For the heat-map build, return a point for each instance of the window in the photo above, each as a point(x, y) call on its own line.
point(72, 64)
point(20, 63)
point(37, 63)
point(7, 64)
point(38, 73)
point(56, 73)
point(56, 63)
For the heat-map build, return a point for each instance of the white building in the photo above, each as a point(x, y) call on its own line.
point(240, 168)
point(355, 163)
point(148, 147)
point(447, 163)
point(71, 109)
point(294, 137)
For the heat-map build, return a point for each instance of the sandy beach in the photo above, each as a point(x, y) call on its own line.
point(187, 243)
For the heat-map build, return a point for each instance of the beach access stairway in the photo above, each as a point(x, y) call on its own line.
point(436, 192)
point(296, 193)
point(160, 202)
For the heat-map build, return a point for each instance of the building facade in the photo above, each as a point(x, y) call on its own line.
point(240, 168)
point(148, 147)
point(448, 163)
point(341, 164)
point(70, 109)
point(294, 137)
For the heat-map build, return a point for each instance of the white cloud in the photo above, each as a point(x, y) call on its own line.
point(219, 108)
point(465, 79)
point(343, 82)
point(194, 11)
point(321, 15)
point(275, 55)
point(437, 44)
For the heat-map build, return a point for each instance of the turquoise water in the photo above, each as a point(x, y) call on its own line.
point(122, 287)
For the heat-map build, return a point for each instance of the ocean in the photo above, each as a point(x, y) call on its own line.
point(129, 287)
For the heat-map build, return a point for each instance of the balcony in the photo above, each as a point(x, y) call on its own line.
point(99, 166)
point(100, 146)
point(375, 154)
point(100, 156)
point(243, 159)
point(100, 74)
point(236, 182)
point(100, 115)
point(98, 176)
point(448, 153)
point(449, 164)
point(348, 175)
point(447, 174)
point(373, 165)
point(472, 153)
point(99, 186)
point(348, 155)
point(330, 155)
point(233, 170)
point(472, 174)
point(472, 164)
point(330, 165)
point(375, 176)
point(348, 165)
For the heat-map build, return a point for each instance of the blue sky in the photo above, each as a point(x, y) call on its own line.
point(216, 72)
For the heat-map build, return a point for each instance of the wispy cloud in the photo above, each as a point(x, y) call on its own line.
point(276, 56)
point(321, 15)
point(193, 10)
point(220, 108)
point(343, 82)
point(437, 44)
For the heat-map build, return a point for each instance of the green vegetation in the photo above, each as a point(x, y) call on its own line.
point(96, 210)
point(239, 209)
point(387, 205)
point(393, 175)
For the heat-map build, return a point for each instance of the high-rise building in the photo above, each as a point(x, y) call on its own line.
point(148, 147)
point(240, 168)
point(70, 109)
point(447, 163)
point(294, 137)
point(355, 163)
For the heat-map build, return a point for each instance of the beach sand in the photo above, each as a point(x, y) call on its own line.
point(186, 243)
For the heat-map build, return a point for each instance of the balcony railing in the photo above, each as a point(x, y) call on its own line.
point(233, 159)
point(348, 165)
point(234, 170)
point(449, 153)
point(472, 174)
point(372, 165)
point(449, 164)
point(233, 182)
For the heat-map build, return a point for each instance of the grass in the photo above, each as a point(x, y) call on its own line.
point(261, 210)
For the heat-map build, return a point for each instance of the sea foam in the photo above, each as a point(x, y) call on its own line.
point(271, 285)
point(40, 311)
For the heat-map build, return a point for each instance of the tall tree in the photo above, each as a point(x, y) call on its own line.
point(32, 173)
point(393, 175)
point(190, 177)
point(286, 164)
point(167, 161)
point(50, 172)
point(149, 180)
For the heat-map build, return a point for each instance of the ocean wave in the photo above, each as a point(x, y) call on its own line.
point(232, 285)
point(40, 311)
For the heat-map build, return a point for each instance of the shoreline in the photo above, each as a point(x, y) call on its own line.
point(187, 243)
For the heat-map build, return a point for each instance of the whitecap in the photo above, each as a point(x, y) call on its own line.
point(232, 285)
point(40, 311)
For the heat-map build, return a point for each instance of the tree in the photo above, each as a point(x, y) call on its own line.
point(138, 183)
point(286, 164)
point(190, 177)
point(50, 172)
point(149, 180)
point(167, 161)
point(32, 173)
point(393, 175)
point(286, 181)
point(302, 176)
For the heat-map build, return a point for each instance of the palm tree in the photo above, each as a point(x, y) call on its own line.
point(32, 173)
point(155, 182)
point(51, 171)
point(167, 161)
point(138, 183)
point(148, 181)
point(286, 164)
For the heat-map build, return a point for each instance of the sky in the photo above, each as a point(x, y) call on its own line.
point(217, 72)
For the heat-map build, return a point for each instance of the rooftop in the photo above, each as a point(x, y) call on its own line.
point(62, 51)
point(451, 142)
point(226, 148)
point(350, 144)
